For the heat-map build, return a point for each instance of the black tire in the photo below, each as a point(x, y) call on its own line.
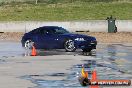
point(28, 44)
point(69, 45)
point(86, 50)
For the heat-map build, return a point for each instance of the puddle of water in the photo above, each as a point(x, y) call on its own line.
point(71, 81)
point(118, 59)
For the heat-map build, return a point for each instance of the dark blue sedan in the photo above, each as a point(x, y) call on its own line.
point(54, 37)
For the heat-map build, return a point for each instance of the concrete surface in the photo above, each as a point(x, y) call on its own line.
point(60, 69)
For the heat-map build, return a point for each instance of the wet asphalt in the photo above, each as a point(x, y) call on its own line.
point(115, 62)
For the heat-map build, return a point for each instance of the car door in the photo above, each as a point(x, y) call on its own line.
point(47, 39)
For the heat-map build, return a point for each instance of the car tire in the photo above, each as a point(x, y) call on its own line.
point(69, 45)
point(28, 44)
point(86, 50)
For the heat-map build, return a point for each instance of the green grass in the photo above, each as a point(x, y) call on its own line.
point(65, 11)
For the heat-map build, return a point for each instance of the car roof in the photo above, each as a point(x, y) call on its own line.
point(49, 27)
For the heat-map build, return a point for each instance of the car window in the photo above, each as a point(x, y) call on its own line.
point(45, 31)
point(60, 30)
point(51, 30)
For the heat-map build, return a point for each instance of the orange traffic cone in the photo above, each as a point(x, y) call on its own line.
point(33, 53)
point(94, 77)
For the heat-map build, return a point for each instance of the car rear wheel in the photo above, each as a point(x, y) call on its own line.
point(69, 45)
point(28, 44)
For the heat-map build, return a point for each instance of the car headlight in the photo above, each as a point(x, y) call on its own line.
point(79, 39)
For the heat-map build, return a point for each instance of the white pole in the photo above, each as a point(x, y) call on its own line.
point(36, 1)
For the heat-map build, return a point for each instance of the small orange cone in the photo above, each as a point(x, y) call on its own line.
point(94, 77)
point(33, 53)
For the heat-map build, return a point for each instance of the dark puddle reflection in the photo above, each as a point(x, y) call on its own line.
point(63, 80)
point(70, 81)
point(59, 52)
point(116, 62)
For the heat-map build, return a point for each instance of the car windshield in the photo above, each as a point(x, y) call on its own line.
point(60, 30)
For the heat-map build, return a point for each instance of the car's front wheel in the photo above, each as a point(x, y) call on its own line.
point(69, 45)
point(28, 44)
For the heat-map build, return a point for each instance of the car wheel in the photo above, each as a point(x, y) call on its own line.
point(69, 45)
point(28, 44)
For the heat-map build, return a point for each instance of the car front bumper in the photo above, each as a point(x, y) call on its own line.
point(86, 44)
